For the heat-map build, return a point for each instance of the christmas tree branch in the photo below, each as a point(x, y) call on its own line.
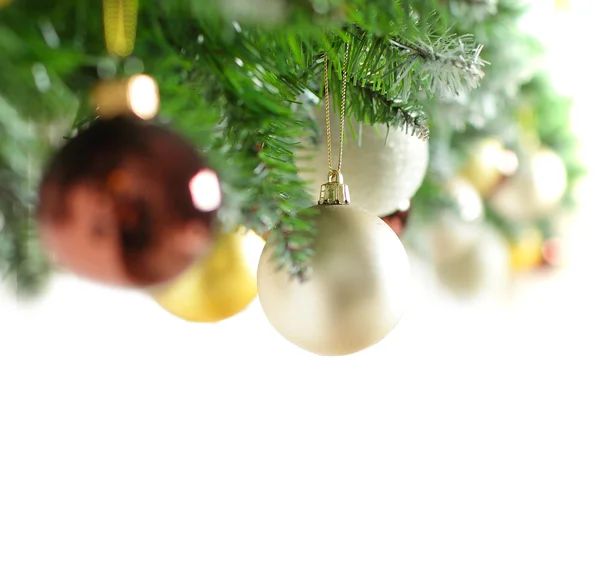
point(441, 66)
point(371, 107)
point(241, 91)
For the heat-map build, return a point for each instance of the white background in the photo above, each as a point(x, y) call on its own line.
point(465, 446)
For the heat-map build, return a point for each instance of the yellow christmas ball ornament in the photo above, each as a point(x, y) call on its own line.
point(219, 286)
point(526, 253)
point(357, 286)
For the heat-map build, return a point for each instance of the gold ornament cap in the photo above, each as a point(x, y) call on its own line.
point(138, 94)
point(335, 191)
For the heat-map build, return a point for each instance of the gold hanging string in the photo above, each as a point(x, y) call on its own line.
point(333, 174)
point(120, 26)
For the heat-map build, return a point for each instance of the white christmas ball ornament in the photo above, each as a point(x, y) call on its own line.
point(356, 290)
point(384, 168)
point(467, 199)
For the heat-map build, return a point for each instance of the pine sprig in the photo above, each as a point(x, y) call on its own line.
point(366, 105)
point(23, 264)
point(447, 65)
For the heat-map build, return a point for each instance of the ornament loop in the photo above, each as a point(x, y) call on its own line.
point(335, 192)
point(335, 177)
point(342, 108)
point(120, 26)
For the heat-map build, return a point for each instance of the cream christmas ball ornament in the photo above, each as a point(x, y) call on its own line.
point(480, 268)
point(357, 286)
point(385, 167)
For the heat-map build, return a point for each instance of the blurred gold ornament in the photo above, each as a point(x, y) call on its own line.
point(357, 285)
point(120, 26)
point(138, 94)
point(488, 165)
point(385, 167)
point(219, 286)
point(526, 252)
point(536, 190)
point(4, 3)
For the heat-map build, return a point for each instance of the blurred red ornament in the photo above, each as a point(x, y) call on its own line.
point(553, 252)
point(128, 203)
point(398, 220)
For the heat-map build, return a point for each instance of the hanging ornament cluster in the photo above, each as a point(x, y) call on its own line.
point(356, 289)
point(519, 187)
point(128, 202)
point(385, 166)
point(525, 188)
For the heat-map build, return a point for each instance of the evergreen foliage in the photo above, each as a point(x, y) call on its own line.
point(241, 80)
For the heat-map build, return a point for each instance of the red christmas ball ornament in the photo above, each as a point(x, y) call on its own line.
point(398, 220)
point(127, 203)
point(553, 253)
